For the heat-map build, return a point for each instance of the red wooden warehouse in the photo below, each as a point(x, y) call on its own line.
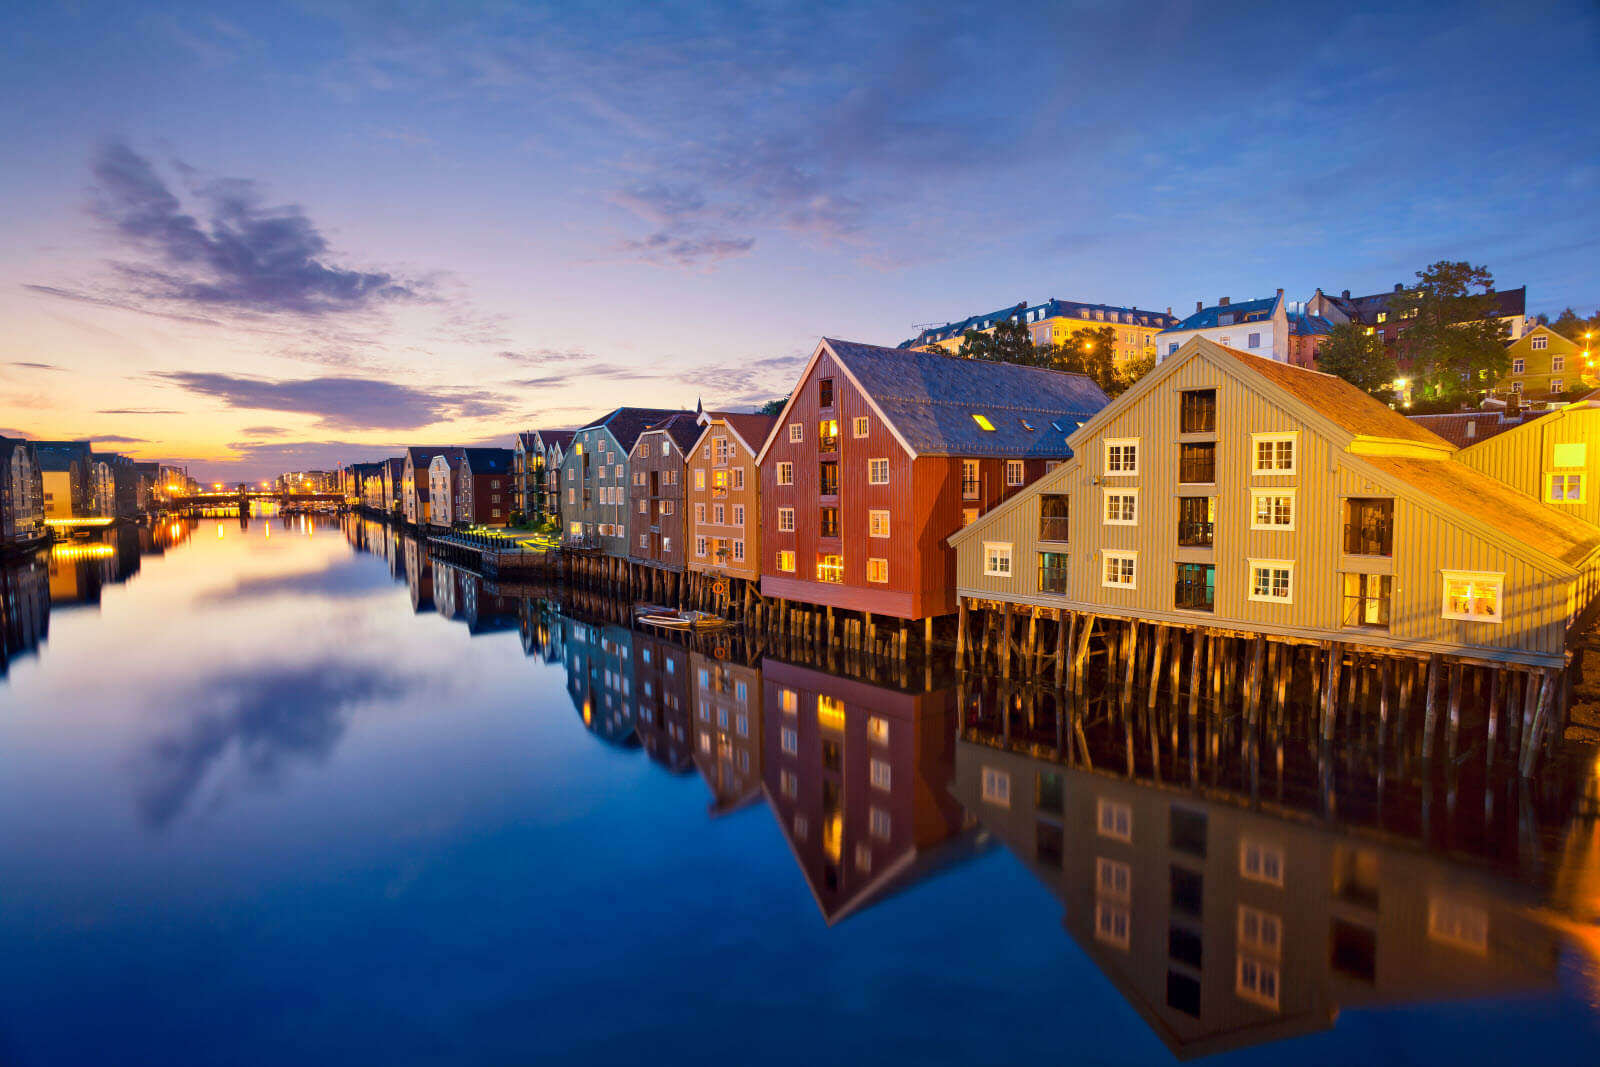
point(882, 453)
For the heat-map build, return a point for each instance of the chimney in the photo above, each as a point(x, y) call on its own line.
point(1399, 288)
point(1199, 305)
point(1223, 302)
point(1280, 294)
point(1169, 311)
point(1345, 294)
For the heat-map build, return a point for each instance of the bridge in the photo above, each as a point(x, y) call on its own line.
point(241, 498)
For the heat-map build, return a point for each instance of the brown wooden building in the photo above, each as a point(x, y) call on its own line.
point(655, 492)
point(882, 453)
point(485, 486)
point(724, 534)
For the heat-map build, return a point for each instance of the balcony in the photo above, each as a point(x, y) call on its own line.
point(1369, 527)
point(1053, 573)
point(1054, 527)
point(1196, 533)
point(831, 569)
point(828, 479)
point(1197, 464)
point(1197, 411)
point(828, 522)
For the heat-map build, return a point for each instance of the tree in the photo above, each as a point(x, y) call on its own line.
point(1008, 342)
point(1091, 352)
point(773, 407)
point(1131, 372)
point(1574, 327)
point(1360, 358)
point(1455, 340)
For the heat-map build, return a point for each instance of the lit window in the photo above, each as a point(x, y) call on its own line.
point(1122, 456)
point(858, 426)
point(983, 422)
point(1254, 340)
point(1274, 452)
point(878, 570)
point(997, 559)
point(830, 712)
point(797, 432)
point(1122, 507)
point(1113, 820)
point(786, 560)
point(1261, 862)
point(1013, 472)
point(881, 775)
point(830, 568)
point(1472, 596)
point(996, 787)
point(1565, 489)
point(877, 472)
point(1272, 580)
point(788, 701)
point(877, 730)
point(877, 523)
point(1271, 510)
point(1121, 570)
point(785, 473)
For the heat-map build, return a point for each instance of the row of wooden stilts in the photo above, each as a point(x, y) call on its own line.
point(1474, 705)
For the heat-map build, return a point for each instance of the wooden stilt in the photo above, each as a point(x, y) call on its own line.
point(961, 633)
point(1430, 713)
point(1453, 736)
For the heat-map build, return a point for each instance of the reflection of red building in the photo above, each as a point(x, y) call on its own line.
point(857, 776)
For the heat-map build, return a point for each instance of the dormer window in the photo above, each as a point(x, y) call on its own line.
point(1225, 319)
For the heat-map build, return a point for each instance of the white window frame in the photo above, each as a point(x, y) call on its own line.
point(786, 520)
point(875, 516)
point(1252, 932)
point(993, 553)
point(1566, 476)
point(873, 468)
point(996, 787)
point(1256, 495)
point(1105, 819)
point(1247, 964)
point(1519, 366)
point(1132, 493)
point(879, 823)
point(1258, 439)
point(1252, 861)
point(1558, 363)
point(797, 432)
point(785, 472)
point(1458, 923)
point(1539, 343)
point(1494, 578)
point(1113, 879)
point(1271, 564)
point(1124, 444)
point(858, 426)
point(877, 570)
point(1109, 554)
point(1015, 467)
point(786, 556)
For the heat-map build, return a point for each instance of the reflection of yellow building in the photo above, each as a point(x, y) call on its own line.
point(1053, 321)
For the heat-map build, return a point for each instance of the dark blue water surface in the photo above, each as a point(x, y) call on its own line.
point(276, 793)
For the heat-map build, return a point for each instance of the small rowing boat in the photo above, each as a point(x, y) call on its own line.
point(673, 619)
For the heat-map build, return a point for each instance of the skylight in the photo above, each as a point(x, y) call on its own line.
point(982, 421)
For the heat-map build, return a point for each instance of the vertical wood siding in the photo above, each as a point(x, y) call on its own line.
point(1524, 457)
point(704, 459)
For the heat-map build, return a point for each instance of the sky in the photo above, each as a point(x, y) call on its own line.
point(261, 237)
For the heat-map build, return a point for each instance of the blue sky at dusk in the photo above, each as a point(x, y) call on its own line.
point(268, 237)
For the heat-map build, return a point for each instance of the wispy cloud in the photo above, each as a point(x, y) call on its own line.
point(138, 411)
point(29, 365)
point(243, 256)
point(108, 439)
point(539, 357)
point(343, 403)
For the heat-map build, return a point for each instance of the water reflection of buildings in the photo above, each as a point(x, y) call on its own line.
point(661, 694)
point(24, 607)
point(727, 730)
point(81, 569)
point(600, 679)
point(1229, 921)
point(857, 777)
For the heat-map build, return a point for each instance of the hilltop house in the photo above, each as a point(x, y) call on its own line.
point(1052, 322)
point(1380, 317)
point(485, 492)
point(655, 492)
point(1228, 490)
point(724, 533)
point(882, 453)
point(594, 478)
point(1260, 327)
point(1546, 366)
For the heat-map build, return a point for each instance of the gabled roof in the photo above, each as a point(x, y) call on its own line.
point(1364, 309)
point(1303, 325)
point(751, 428)
point(552, 438)
point(422, 455)
point(489, 460)
point(1454, 426)
point(626, 424)
point(1243, 311)
point(528, 439)
point(928, 400)
point(1337, 400)
point(1050, 309)
point(681, 427)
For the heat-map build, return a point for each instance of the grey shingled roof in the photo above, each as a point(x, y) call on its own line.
point(930, 400)
point(683, 427)
point(626, 424)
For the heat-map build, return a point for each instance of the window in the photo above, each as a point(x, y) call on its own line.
point(1557, 385)
point(1054, 517)
point(1565, 488)
point(1112, 878)
point(1369, 526)
point(969, 479)
point(878, 570)
point(1519, 365)
point(787, 782)
point(786, 520)
point(1261, 862)
point(700, 513)
point(878, 823)
point(828, 478)
point(1122, 507)
point(828, 522)
point(1122, 456)
point(785, 473)
point(858, 426)
point(997, 559)
point(1197, 521)
point(830, 568)
point(828, 435)
point(738, 551)
point(1255, 340)
point(719, 515)
point(825, 393)
point(1120, 570)
point(1013, 472)
point(1196, 587)
point(1569, 455)
point(881, 775)
point(1260, 932)
point(1539, 343)
point(1257, 981)
point(1459, 924)
point(797, 433)
point(863, 857)
point(983, 422)
point(1366, 600)
point(788, 701)
point(786, 560)
point(1053, 573)
point(699, 546)
point(1113, 820)
point(1271, 509)
point(1272, 580)
point(1274, 452)
point(738, 477)
point(830, 712)
point(1197, 463)
point(1186, 831)
point(878, 471)
point(1472, 596)
point(1516, 387)
point(877, 524)
point(789, 739)
point(877, 730)
point(1558, 363)
point(1049, 790)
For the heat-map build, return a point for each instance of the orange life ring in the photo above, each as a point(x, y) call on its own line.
point(719, 651)
point(720, 587)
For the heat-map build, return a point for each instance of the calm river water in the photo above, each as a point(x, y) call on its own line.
point(285, 792)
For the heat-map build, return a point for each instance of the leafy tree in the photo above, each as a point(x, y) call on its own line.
point(1091, 352)
point(773, 407)
point(1572, 326)
point(1455, 341)
point(1008, 342)
point(1131, 372)
point(1359, 358)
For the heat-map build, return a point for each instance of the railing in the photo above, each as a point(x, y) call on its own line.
point(1053, 527)
point(1369, 611)
point(1192, 594)
point(830, 572)
point(1197, 416)
point(1198, 468)
point(1363, 540)
point(1053, 579)
point(1195, 533)
point(829, 443)
point(828, 523)
point(828, 486)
